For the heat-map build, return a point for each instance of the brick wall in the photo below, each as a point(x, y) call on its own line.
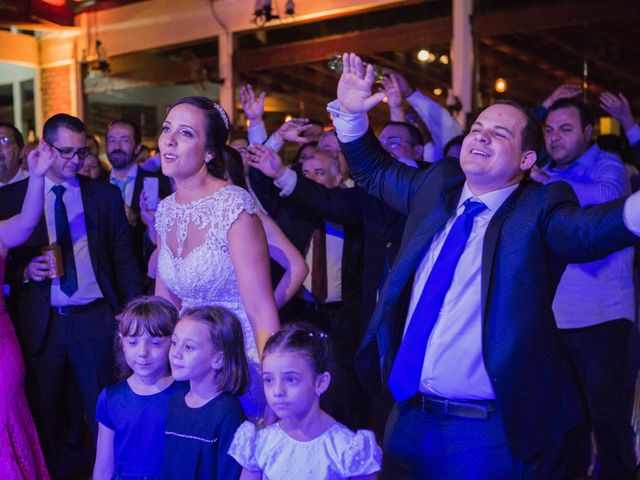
point(56, 90)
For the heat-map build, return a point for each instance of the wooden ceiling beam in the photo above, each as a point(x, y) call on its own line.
point(364, 42)
point(552, 16)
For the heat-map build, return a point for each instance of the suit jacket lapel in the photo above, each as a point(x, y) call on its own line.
point(490, 245)
point(416, 246)
point(90, 207)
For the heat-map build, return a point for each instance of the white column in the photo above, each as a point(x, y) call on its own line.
point(462, 57)
point(37, 101)
point(17, 106)
point(225, 67)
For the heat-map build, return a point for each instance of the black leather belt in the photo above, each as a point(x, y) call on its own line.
point(457, 408)
point(71, 309)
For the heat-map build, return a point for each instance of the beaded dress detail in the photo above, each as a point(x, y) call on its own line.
point(194, 263)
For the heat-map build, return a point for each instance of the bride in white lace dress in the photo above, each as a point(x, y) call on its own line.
point(212, 249)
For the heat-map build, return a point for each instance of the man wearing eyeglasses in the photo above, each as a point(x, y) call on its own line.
point(67, 306)
point(404, 142)
point(11, 144)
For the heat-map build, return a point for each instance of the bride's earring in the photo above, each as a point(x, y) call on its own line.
point(207, 158)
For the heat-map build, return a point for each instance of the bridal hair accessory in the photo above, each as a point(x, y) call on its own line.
point(223, 114)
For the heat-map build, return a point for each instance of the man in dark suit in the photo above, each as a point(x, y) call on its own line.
point(66, 319)
point(481, 382)
point(123, 144)
point(337, 309)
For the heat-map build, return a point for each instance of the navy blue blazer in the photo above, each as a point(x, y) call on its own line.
point(529, 241)
point(382, 227)
point(110, 249)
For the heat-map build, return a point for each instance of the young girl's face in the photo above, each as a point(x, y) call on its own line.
point(192, 355)
point(146, 355)
point(291, 385)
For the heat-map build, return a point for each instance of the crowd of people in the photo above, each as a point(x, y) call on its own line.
point(320, 302)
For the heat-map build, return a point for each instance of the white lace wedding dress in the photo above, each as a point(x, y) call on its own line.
point(195, 265)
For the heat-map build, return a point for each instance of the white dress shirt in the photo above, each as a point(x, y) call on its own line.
point(88, 289)
point(453, 366)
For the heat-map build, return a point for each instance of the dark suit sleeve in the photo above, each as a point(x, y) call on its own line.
point(379, 174)
point(339, 205)
point(265, 190)
point(578, 235)
point(127, 274)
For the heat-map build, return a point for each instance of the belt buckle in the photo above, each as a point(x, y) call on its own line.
point(63, 310)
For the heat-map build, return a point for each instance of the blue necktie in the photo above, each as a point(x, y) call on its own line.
point(404, 379)
point(122, 185)
point(69, 281)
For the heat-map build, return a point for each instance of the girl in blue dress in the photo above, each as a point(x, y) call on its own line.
point(207, 349)
point(132, 413)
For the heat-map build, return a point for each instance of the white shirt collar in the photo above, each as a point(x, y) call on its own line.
point(69, 185)
point(132, 173)
point(493, 200)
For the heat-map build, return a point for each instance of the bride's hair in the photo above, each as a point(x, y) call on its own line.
point(216, 133)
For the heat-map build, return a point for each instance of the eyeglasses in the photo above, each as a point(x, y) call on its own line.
point(69, 153)
point(5, 141)
point(395, 142)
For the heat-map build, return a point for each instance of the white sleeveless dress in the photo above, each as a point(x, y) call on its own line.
point(204, 275)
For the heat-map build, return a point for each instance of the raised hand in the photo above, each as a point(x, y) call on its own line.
point(618, 107)
point(293, 130)
point(392, 91)
point(354, 87)
point(567, 90)
point(253, 106)
point(40, 159)
point(266, 160)
point(400, 82)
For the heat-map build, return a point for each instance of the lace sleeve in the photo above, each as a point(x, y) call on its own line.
point(236, 201)
point(362, 456)
point(162, 216)
point(243, 446)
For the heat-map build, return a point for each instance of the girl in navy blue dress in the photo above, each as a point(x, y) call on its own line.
point(132, 413)
point(207, 349)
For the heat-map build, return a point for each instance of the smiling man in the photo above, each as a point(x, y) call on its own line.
point(482, 387)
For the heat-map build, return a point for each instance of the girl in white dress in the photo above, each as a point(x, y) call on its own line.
point(306, 443)
point(212, 248)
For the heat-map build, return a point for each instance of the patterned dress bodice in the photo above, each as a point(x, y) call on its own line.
point(204, 275)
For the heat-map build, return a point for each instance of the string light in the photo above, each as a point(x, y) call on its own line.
point(501, 85)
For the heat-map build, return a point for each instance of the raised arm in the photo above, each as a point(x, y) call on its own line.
point(250, 259)
point(618, 107)
point(371, 166)
point(17, 229)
